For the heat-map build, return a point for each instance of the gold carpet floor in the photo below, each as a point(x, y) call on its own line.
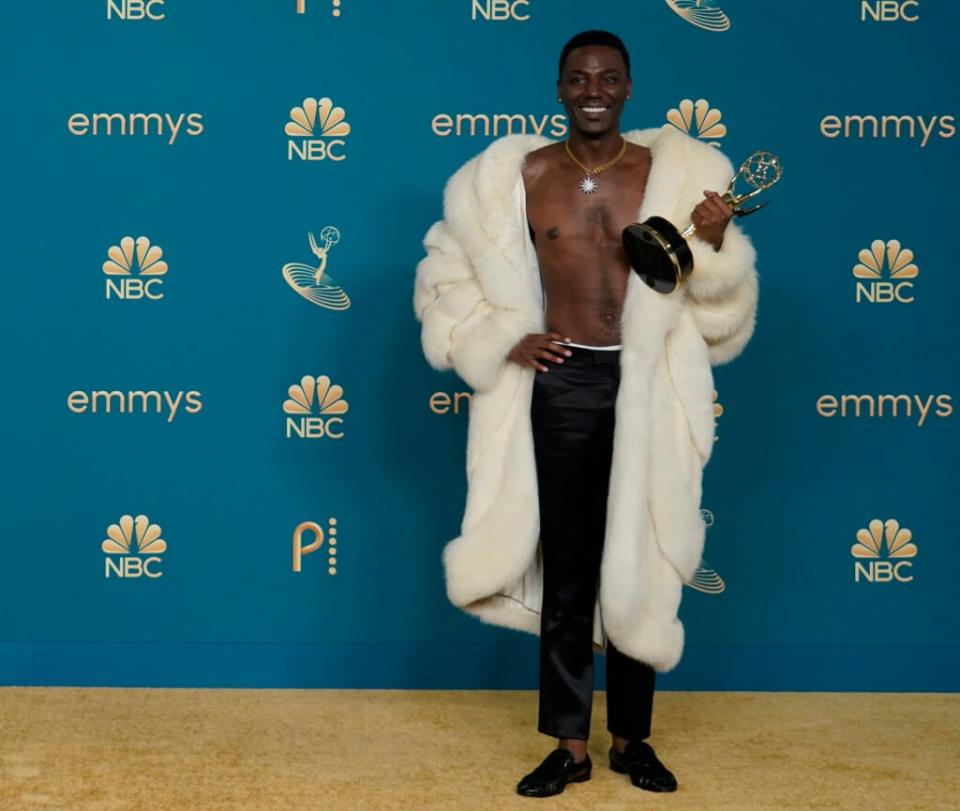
point(118, 749)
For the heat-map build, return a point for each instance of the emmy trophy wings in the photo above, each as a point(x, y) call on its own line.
point(760, 171)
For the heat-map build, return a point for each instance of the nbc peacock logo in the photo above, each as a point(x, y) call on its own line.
point(884, 273)
point(314, 283)
point(883, 552)
point(133, 547)
point(312, 529)
point(699, 120)
point(704, 14)
point(134, 270)
point(704, 578)
point(317, 129)
point(315, 409)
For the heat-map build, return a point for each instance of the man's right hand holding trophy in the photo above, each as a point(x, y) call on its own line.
point(659, 252)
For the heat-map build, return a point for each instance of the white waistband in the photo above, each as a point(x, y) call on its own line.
point(584, 346)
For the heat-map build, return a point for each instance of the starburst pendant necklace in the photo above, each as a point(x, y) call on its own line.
point(588, 185)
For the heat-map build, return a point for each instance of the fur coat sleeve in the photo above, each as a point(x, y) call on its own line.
point(462, 329)
point(722, 291)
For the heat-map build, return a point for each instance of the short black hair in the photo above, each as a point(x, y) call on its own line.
point(594, 37)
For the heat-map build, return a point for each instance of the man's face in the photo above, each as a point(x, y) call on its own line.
point(593, 87)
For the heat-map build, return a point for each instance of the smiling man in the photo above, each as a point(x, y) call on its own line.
point(592, 414)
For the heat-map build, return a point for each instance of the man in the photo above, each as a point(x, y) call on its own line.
point(592, 414)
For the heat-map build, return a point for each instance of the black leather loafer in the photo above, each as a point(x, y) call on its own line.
point(552, 776)
point(645, 769)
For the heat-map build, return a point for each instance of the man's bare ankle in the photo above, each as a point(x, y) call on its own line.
point(576, 747)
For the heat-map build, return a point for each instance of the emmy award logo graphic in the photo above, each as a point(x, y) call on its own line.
point(705, 579)
point(701, 13)
point(314, 283)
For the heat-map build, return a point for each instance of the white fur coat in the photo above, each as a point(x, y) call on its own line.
point(477, 292)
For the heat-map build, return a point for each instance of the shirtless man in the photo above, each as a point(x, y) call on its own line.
point(584, 273)
point(578, 236)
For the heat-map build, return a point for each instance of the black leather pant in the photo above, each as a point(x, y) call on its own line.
point(572, 412)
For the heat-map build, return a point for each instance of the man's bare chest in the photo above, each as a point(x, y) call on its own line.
point(558, 212)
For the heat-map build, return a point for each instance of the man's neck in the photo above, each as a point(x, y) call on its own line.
point(595, 150)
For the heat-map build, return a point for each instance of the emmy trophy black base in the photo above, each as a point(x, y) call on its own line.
point(658, 252)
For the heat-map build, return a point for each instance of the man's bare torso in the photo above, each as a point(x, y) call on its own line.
point(577, 238)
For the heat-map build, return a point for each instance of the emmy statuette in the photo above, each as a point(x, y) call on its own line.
point(658, 250)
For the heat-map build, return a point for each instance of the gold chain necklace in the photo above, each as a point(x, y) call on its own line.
point(588, 185)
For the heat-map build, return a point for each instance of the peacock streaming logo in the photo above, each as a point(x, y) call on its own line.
point(316, 130)
point(313, 282)
point(133, 548)
point(699, 120)
point(704, 14)
point(717, 413)
point(335, 6)
point(704, 578)
point(884, 273)
point(312, 530)
point(884, 552)
point(315, 409)
point(135, 270)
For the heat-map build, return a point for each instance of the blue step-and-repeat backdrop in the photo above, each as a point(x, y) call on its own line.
point(220, 471)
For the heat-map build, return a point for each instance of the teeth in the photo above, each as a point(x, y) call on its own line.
point(593, 109)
